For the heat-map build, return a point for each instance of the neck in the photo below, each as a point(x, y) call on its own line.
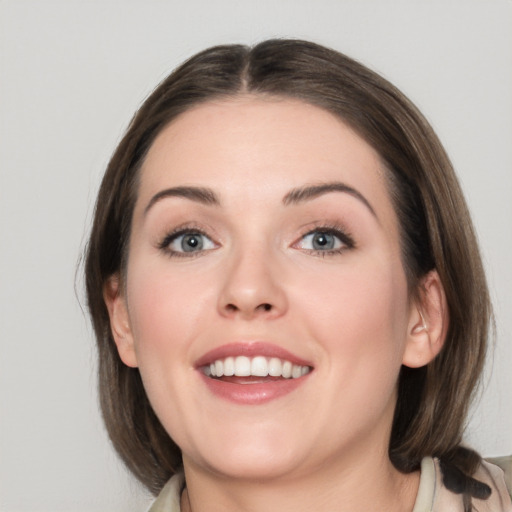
point(350, 486)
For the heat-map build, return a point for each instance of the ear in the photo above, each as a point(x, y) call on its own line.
point(428, 322)
point(119, 320)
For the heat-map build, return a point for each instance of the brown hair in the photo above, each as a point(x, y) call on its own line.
point(436, 232)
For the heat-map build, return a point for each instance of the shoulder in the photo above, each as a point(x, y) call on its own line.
point(494, 475)
point(490, 474)
point(433, 496)
point(169, 498)
point(505, 464)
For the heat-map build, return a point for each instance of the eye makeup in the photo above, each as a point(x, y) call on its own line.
point(186, 241)
point(325, 239)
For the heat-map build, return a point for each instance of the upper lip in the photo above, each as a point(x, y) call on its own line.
point(249, 349)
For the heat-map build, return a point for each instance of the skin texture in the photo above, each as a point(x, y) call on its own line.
point(258, 278)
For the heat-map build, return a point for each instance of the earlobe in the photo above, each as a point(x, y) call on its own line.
point(119, 320)
point(428, 323)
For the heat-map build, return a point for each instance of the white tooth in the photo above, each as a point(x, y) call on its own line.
point(207, 371)
point(275, 368)
point(296, 371)
point(229, 366)
point(242, 366)
point(212, 370)
point(305, 370)
point(219, 368)
point(259, 367)
point(287, 369)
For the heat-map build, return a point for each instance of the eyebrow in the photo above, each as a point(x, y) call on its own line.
point(199, 194)
point(297, 195)
point(301, 194)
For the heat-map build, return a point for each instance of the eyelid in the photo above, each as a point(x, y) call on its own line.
point(181, 230)
point(336, 230)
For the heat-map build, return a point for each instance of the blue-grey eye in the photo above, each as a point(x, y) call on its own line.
point(190, 242)
point(321, 241)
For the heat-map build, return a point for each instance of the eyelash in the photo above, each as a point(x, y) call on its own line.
point(335, 230)
point(169, 238)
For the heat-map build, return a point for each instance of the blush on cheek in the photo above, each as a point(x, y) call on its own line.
point(366, 321)
point(166, 310)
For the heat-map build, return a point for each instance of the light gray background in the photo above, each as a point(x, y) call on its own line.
point(71, 75)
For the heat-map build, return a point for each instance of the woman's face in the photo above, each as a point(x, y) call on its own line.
point(263, 242)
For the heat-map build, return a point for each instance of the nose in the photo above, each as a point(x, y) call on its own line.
point(252, 288)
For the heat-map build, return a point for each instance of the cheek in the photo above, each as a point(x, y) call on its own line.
point(165, 311)
point(360, 317)
point(167, 316)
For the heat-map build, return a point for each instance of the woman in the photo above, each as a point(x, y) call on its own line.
point(288, 299)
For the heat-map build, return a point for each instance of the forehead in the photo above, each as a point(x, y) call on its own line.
point(268, 144)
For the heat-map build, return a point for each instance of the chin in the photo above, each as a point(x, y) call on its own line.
point(253, 456)
point(255, 465)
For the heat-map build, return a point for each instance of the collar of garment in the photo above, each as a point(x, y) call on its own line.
point(432, 494)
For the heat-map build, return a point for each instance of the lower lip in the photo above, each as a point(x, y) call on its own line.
point(254, 393)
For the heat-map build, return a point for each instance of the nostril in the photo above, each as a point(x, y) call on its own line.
point(263, 307)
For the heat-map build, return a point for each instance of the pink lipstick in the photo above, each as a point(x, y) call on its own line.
point(252, 373)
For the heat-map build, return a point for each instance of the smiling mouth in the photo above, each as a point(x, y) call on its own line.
point(243, 369)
